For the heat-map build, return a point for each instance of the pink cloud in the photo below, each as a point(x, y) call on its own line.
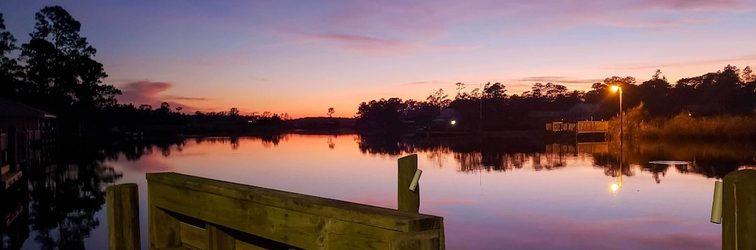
point(557, 79)
point(387, 26)
point(143, 92)
point(359, 42)
point(147, 92)
point(419, 25)
point(365, 43)
point(721, 61)
point(692, 5)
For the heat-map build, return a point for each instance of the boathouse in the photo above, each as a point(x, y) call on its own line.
point(22, 128)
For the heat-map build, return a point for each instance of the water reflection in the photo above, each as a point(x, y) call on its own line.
point(504, 154)
point(56, 200)
point(268, 140)
point(63, 188)
point(57, 210)
point(14, 210)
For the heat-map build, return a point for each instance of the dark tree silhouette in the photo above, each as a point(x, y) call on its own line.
point(654, 93)
point(746, 75)
point(438, 99)
point(164, 108)
point(494, 91)
point(233, 112)
point(9, 68)
point(60, 66)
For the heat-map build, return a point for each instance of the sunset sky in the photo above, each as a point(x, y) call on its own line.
point(302, 57)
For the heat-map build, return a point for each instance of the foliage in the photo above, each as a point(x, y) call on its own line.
point(9, 68)
point(725, 92)
point(683, 127)
point(633, 122)
point(331, 111)
point(60, 74)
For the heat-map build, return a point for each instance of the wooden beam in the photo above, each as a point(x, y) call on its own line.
point(164, 230)
point(345, 211)
point(193, 237)
point(231, 212)
point(123, 216)
point(299, 229)
point(218, 238)
point(738, 216)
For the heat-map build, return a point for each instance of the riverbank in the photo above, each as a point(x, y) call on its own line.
point(684, 128)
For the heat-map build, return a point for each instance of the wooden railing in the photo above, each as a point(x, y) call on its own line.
point(188, 212)
point(580, 127)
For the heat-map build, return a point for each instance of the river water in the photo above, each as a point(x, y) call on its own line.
point(494, 193)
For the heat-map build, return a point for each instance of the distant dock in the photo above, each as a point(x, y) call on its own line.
point(581, 130)
point(581, 127)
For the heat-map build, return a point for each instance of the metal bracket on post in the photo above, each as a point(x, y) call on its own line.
point(716, 205)
point(415, 179)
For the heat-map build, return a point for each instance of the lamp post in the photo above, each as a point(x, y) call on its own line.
point(616, 88)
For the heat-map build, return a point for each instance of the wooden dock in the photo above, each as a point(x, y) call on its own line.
point(188, 212)
point(578, 147)
point(580, 127)
point(8, 177)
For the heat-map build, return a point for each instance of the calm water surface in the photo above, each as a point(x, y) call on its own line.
point(493, 194)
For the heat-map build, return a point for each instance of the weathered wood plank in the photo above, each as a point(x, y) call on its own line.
point(241, 245)
point(123, 216)
point(345, 211)
point(408, 201)
point(9, 178)
point(738, 216)
point(299, 229)
point(193, 237)
point(163, 230)
point(218, 238)
point(424, 240)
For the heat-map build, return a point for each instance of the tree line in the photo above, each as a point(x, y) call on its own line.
point(729, 91)
point(56, 71)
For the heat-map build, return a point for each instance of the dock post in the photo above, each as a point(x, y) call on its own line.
point(123, 216)
point(738, 216)
point(408, 201)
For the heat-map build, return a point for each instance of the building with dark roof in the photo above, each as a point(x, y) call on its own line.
point(22, 129)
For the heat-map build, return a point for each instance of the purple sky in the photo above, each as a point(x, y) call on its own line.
point(302, 57)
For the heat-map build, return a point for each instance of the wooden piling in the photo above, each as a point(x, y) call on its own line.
point(123, 216)
point(408, 201)
point(739, 210)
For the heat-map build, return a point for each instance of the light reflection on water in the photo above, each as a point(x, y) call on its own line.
point(492, 193)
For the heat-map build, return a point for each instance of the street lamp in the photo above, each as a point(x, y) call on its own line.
point(615, 187)
point(616, 88)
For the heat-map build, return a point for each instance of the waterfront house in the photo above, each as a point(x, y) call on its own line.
point(22, 129)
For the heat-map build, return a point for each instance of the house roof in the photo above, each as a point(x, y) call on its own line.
point(10, 108)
